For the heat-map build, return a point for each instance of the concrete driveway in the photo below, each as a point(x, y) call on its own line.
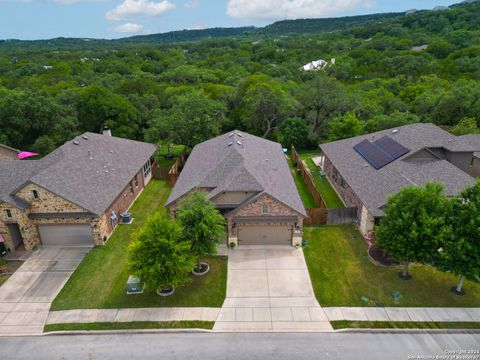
point(26, 297)
point(269, 289)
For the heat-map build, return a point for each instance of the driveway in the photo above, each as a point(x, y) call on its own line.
point(269, 289)
point(26, 297)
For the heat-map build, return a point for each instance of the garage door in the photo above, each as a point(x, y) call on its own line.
point(264, 235)
point(66, 235)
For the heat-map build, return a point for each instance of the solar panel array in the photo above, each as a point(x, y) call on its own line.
point(381, 152)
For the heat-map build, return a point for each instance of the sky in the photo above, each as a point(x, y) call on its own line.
point(107, 19)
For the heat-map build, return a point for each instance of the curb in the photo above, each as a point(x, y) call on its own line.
point(408, 331)
point(125, 331)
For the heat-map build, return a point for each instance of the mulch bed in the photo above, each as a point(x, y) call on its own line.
point(379, 256)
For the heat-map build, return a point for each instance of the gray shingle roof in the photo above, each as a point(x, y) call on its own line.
point(374, 186)
point(91, 174)
point(238, 161)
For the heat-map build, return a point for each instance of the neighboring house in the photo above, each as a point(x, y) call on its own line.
point(8, 153)
point(249, 180)
point(73, 196)
point(366, 169)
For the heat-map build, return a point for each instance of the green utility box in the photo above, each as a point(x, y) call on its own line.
point(134, 285)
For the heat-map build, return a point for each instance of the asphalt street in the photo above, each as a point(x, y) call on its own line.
point(262, 346)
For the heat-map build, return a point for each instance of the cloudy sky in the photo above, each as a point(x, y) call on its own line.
point(41, 19)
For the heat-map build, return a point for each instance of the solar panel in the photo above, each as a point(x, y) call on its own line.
point(391, 147)
point(380, 152)
point(372, 154)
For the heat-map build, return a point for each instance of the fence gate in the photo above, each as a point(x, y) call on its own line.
point(342, 216)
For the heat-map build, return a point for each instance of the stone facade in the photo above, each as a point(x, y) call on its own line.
point(45, 202)
point(27, 228)
point(256, 208)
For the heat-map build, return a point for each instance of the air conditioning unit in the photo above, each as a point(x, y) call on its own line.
point(126, 218)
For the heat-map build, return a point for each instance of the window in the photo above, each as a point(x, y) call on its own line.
point(341, 182)
point(334, 174)
point(264, 209)
point(147, 168)
point(35, 194)
point(135, 181)
point(131, 187)
point(8, 212)
point(472, 161)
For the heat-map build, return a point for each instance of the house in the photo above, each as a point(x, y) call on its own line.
point(249, 180)
point(366, 169)
point(8, 153)
point(74, 195)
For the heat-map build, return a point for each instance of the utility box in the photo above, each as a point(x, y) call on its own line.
point(134, 285)
point(126, 218)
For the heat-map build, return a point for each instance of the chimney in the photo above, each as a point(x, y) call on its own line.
point(106, 131)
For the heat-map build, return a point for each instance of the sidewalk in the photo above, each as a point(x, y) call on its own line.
point(403, 314)
point(129, 315)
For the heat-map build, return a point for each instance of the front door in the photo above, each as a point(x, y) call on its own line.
point(15, 235)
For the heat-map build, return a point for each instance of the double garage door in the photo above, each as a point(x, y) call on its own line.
point(66, 235)
point(264, 235)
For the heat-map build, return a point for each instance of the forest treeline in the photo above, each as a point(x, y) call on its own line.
point(421, 67)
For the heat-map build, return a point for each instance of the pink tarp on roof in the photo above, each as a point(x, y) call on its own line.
point(26, 154)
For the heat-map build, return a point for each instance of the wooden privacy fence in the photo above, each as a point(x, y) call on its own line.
point(341, 216)
point(321, 215)
point(307, 176)
point(172, 173)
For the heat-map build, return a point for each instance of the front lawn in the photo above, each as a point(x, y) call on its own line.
point(13, 266)
point(100, 280)
point(342, 274)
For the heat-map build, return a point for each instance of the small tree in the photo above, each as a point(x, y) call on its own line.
point(461, 253)
point(203, 225)
point(414, 226)
point(159, 256)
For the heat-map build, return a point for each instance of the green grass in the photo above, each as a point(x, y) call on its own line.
point(302, 187)
point(162, 150)
point(13, 266)
point(308, 154)
point(130, 325)
point(347, 324)
point(341, 274)
point(330, 196)
point(100, 280)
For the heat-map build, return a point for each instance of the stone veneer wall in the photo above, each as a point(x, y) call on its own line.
point(47, 201)
point(275, 208)
point(29, 231)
